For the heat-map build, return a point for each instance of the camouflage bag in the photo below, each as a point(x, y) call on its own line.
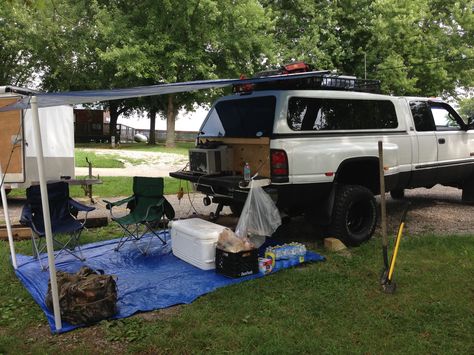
point(85, 297)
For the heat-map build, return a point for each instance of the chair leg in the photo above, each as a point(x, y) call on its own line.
point(135, 235)
point(139, 236)
point(67, 247)
point(37, 249)
point(128, 235)
point(150, 229)
point(72, 244)
point(147, 225)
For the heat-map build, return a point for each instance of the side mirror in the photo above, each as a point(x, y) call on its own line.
point(470, 123)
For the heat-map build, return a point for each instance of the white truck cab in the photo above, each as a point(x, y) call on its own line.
point(316, 143)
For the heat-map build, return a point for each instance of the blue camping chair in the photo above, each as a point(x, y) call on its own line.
point(63, 212)
point(148, 208)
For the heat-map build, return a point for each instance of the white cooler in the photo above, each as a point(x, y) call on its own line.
point(194, 241)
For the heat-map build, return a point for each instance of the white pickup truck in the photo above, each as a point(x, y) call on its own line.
point(316, 150)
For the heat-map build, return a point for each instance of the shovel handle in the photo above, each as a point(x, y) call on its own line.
point(397, 243)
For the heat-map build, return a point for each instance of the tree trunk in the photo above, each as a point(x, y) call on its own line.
point(114, 114)
point(152, 116)
point(170, 123)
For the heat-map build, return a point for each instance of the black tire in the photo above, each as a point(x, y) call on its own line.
point(397, 194)
point(354, 214)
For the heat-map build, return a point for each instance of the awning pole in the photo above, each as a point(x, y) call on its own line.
point(7, 220)
point(46, 215)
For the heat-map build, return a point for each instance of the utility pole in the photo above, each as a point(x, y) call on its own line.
point(365, 65)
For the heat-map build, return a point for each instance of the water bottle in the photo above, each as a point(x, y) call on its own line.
point(246, 172)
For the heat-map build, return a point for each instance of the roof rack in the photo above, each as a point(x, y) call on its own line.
point(321, 80)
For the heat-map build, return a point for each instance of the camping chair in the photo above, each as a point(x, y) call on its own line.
point(148, 209)
point(63, 212)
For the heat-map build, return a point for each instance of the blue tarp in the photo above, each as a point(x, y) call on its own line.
point(144, 282)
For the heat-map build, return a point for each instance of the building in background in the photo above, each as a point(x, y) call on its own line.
point(91, 126)
point(186, 129)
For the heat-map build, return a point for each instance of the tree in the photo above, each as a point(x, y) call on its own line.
point(466, 107)
point(189, 40)
point(415, 47)
point(18, 49)
point(100, 39)
point(63, 42)
point(305, 30)
point(420, 47)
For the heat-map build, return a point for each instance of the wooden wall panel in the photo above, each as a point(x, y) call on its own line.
point(255, 151)
point(10, 126)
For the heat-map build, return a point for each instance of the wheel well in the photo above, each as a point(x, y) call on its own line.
point(360, 171)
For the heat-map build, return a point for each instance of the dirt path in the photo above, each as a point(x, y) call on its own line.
point(154, 163)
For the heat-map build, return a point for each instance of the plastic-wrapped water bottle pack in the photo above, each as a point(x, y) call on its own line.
point(286, 251)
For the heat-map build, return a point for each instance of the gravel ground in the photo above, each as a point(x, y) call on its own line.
point(438, 210)
point(433, 211)
point(188, 206)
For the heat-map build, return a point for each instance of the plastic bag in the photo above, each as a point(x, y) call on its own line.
point(259, 217)
point(229, 242)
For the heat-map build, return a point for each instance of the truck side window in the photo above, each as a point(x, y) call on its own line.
point(315, 114)
point(444, 121)
point(422, 116)
point(242, 117)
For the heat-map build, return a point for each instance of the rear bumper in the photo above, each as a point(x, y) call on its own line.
point(226, 190)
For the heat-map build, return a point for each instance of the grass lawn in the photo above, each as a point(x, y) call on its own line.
point(332, 307)
point(111, 186)
point(98, 160)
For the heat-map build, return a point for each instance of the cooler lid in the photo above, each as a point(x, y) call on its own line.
point(199, 228)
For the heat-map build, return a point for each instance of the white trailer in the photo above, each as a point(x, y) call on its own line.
point(17, 150)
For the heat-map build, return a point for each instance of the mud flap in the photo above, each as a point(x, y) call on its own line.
point(468, 193)
point(322, 214)
point(329, 205)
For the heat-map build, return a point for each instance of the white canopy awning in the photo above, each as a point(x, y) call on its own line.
point(91, 96)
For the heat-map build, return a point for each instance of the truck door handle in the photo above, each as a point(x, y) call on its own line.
point(441, 140)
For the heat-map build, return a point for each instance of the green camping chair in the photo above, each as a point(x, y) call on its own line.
point(148, 209)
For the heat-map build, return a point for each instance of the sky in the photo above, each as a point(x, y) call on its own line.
point(186, 121)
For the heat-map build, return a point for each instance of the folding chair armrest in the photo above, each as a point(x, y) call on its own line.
point(109, 204)
point(80, 207)
point(157, 205)
point(26, 218)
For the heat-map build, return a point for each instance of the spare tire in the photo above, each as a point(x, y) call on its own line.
point(354, 214)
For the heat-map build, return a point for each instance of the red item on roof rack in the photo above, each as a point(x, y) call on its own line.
point(244, 87)
point(296, 67)
point(290, 68)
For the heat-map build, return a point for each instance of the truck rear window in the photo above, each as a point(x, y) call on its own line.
point(316, 114)
point(246, 118)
